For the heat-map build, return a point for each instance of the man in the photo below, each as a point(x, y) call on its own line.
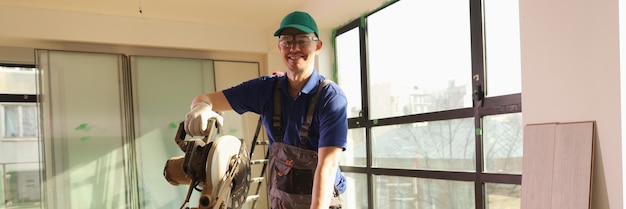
point(305, 144)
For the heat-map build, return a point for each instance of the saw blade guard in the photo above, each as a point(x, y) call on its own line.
point(219, 169)
point(223, 149)
point(229, 177)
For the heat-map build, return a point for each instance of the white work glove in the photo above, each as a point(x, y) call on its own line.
point(197, 120)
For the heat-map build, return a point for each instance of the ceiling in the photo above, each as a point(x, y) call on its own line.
point(244, 13)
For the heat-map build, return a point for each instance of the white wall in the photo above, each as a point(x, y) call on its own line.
point(16, 55)
point(50, 25)
point(62, 30)
point(570, 72)
point(72, 31)
point(622, 37)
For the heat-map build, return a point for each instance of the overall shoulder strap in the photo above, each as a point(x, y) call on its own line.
point(276, 118)
point(306, 125)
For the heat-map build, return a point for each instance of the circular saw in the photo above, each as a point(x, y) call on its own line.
point(219, 169)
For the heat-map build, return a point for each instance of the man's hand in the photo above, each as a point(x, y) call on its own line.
point(196, 121)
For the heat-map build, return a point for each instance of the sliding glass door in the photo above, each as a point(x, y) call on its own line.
point(84, 132)
point(109, 122)
point(162, 91)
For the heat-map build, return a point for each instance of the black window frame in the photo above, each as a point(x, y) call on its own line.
point(482, 106)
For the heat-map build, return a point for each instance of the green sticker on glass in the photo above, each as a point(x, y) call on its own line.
point(81, 127)
point(479, 132)
point(173, 125)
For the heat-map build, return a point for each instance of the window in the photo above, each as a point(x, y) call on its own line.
point(20, 121)
point(20, 167)
point(350, 66)
point(17, 79)
point(423, 66)
point(434, 145)
point(437, 120)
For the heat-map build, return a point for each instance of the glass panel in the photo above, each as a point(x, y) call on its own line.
point(158, 119)
point(355, 152)
point(30, 124)
point(503, 196)
point(22, 185)
point(11, 121)
point(437, 145)
point(502, 47)
point(424, 66)
point(241, 126)
point(355, 196)
point(410, 193)
point(20, 121)
point(230, 73)
point(349, 69)
point(3, 179)
point(17, 80)
point(84, 139)
point(502, 143)
point(160, 109)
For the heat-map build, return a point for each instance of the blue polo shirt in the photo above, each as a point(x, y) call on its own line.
point(328, 128)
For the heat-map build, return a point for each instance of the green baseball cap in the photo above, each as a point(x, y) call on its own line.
point(298, 20)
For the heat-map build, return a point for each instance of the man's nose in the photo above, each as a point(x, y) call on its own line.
point(294, 47)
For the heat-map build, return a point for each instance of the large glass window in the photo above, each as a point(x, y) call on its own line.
point(440, 122)
point(425, 64)
point(410, 193)
point(437, 145)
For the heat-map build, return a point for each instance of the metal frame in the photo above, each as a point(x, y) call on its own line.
point(483, 106)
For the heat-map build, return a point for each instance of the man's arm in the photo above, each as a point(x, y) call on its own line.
point(325, 173)
point(217, 100)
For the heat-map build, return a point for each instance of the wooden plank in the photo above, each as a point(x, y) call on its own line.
point(558, 165)
point(537, 165)
point(573, 157)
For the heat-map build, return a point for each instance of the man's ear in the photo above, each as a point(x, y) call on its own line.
point(318, 47)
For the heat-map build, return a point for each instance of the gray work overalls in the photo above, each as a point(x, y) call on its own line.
point(291, 168)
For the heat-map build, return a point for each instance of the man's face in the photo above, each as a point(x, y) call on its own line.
point(298, 49)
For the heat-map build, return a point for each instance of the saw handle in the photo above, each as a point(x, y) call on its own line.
point(181, 133)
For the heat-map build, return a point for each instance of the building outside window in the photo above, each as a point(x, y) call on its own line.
point(20, 169)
